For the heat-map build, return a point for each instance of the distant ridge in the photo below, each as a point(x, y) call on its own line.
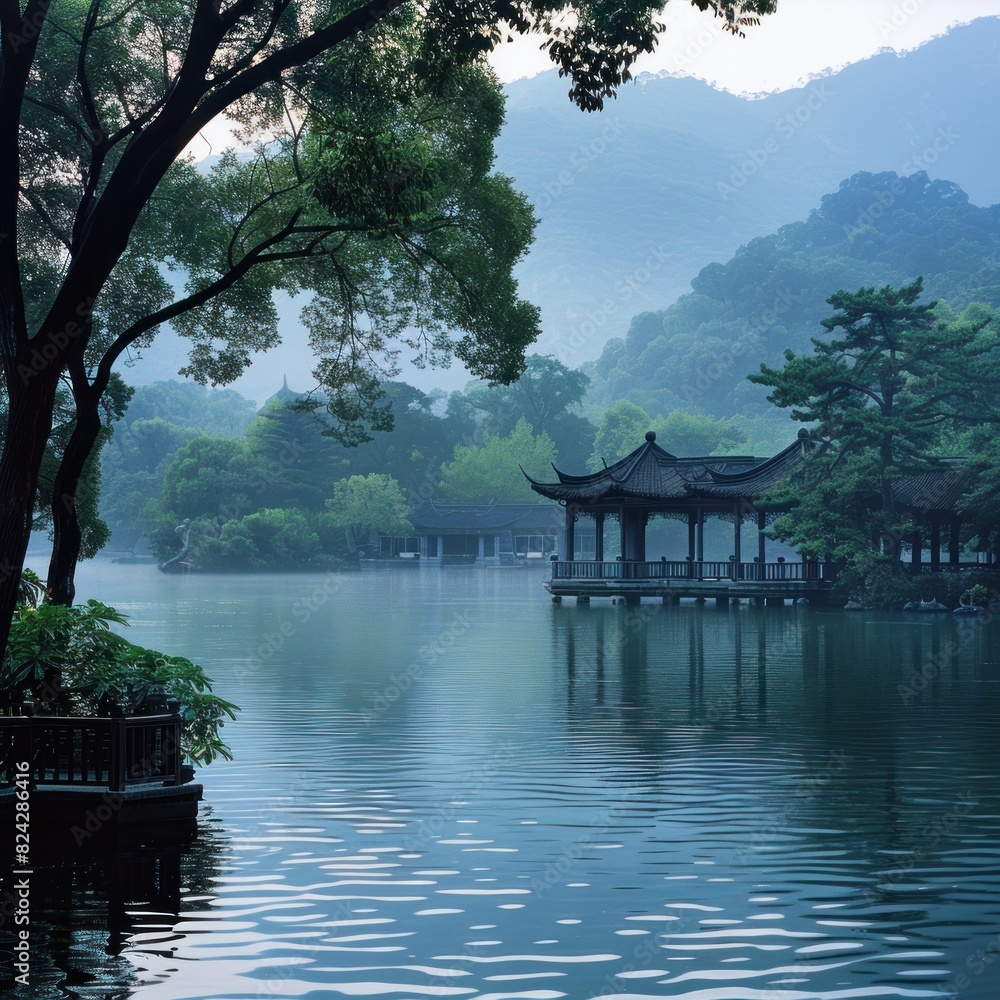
point(675, 174)
point(875, 229)
point(757, 95)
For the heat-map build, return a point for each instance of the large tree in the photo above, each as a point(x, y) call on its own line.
point(882, 398)
point(369, 506)
point(548, 395)
point(495, 470)
point(98, 102)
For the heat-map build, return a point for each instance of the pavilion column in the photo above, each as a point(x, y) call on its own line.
point(916, 544)
point(482, 548)
point(570, 534)
point(954, 547)
point(599, 537)
point(633, 534)
point(935, 545)
point(761, 538)
point(737, 528)
point(691, 533)
point(441, 547)
point(700, 538)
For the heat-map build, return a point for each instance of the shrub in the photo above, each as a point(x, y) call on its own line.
point(69, 662)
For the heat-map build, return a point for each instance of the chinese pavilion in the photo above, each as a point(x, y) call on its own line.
point(651, 483)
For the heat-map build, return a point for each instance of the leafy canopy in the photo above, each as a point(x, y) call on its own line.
point(70, 662)
point(367, 505)
point(493, 471)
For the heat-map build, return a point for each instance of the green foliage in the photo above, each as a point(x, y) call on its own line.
point(877, 228)
point(834, 510)
point(687, 435)
point(160, 419)
point(264, 541)
point(369, 505)
point(883, 398)
point(694, 434)
point(69, 662)
point(291, 456)
point(548, 396)
point(189, 406)
point(206, 475)
point(622, 430)
point(493, 470)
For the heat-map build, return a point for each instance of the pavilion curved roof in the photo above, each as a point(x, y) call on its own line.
point(651, 473)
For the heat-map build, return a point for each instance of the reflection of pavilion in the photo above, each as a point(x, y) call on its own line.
point(651, 483)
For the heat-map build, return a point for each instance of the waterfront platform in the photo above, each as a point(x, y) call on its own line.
point(671, 581)
point(113, 780)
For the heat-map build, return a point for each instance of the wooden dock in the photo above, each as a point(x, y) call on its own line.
point(670, 581)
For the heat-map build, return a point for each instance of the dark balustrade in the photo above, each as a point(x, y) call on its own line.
point(694, 569)
point(95, 752)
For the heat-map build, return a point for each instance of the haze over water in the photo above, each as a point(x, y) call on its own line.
point(447, 786)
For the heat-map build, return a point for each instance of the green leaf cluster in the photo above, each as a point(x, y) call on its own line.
point(624, 425)
point(494, 470)
point(876, 230)
point(70, 662)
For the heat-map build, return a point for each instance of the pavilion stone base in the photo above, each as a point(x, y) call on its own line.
point(75, 817)
point(817, 592)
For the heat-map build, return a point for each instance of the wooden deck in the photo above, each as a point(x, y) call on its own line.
point(117, 780)
point(673, 580)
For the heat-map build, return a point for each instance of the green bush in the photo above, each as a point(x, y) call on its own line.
point(69, 662)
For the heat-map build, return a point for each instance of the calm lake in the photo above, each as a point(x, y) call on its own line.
point(447, 786)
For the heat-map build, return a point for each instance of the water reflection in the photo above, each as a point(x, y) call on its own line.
point(100, 919)
point(655, 802)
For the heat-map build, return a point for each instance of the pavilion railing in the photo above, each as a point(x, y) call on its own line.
point(108, 753)
point(694, 569)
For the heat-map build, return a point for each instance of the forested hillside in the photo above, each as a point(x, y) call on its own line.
point(877, 229)
point(675, 174)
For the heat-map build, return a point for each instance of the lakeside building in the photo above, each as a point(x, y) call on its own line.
point(483, 534)
point(650, 483)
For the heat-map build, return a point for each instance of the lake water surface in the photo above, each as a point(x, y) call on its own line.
point(447, 786)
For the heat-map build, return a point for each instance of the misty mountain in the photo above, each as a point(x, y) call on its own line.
point(674, 174)
point(876, 229)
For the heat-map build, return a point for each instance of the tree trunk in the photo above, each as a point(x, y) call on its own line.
point(66, 534)
point(28, 427)
point(893, 541)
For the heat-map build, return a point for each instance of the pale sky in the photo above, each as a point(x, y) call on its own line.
point(803, 38)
